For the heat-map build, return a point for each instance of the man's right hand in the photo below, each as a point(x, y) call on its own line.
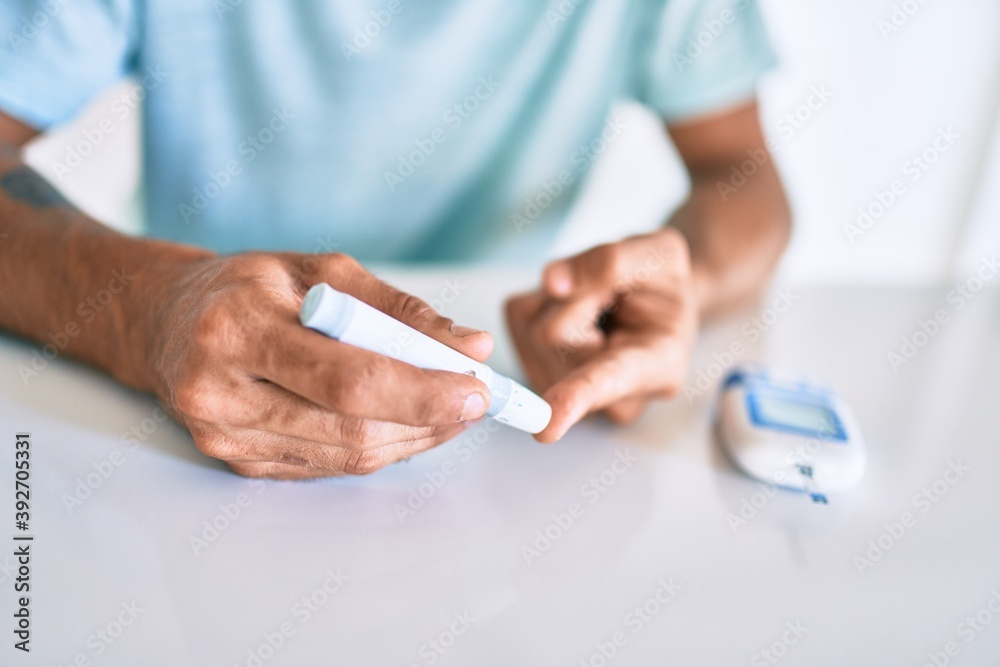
point(218, 338)
point(271, 398)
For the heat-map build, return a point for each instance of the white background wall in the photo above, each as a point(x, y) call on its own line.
point(890, 96)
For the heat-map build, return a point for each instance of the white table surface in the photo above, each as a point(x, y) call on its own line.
point(664, 519)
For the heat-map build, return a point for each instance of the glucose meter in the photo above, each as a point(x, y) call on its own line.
point(790, 432)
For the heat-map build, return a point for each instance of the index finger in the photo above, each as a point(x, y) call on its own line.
point(610, 376)
point(349, 276)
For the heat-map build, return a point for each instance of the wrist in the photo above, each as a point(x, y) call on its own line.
point(158, 273)
point(700, 283)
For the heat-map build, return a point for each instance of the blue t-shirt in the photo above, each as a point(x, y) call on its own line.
point(431, 130)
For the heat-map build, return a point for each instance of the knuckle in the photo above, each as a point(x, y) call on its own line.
point(266, 264)
point(195, 397)
point(264, 267)
point(345, 395)
point(411, 309)
point(308, 265)
point(214, 446)
point(365, 462)
point(608, 259)
point(357, 433)
point(338, 262)
point(209, 326)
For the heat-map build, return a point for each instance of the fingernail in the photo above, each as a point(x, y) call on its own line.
point(473, 408)
point(559, 279)
point(461, 331)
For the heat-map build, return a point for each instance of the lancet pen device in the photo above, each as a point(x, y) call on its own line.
point(351, 321)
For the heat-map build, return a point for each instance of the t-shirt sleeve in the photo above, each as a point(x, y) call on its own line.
point(706, 55)
point(58, 54)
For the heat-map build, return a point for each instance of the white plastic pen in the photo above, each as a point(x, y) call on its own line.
point(349, 320)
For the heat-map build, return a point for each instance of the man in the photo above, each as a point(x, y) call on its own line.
point(404, 131)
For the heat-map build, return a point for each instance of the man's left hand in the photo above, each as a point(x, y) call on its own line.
point(609, 329)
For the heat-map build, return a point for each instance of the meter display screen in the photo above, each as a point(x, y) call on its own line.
point(807, 418)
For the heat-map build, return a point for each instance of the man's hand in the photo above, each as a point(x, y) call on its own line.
point(609, 329)
point(273, 399)
point(219, 341)
point(614, 327)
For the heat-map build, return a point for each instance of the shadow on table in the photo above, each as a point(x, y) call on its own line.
point(78, 395)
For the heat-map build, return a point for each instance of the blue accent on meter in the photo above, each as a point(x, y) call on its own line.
point(789, 405)
point(801, 413)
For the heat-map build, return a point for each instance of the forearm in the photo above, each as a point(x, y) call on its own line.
point(74, 284)
point(735, 238)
